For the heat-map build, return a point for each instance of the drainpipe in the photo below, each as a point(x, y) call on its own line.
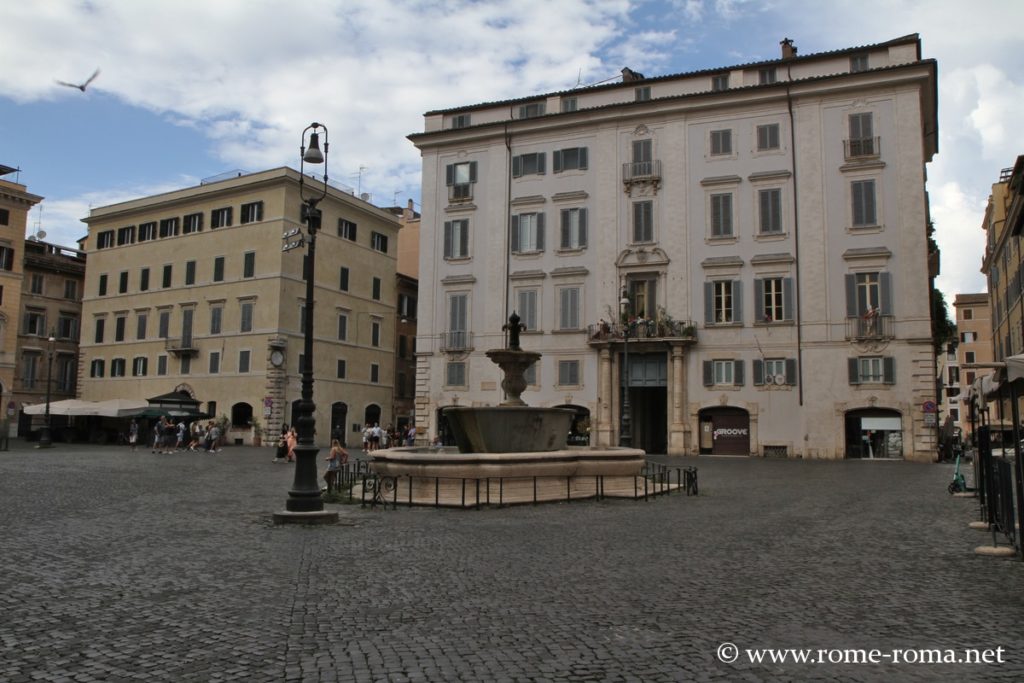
point(796, 242)
point(508, 219)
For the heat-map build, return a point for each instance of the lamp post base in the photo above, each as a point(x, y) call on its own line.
point(45, 439)
point(316, 517)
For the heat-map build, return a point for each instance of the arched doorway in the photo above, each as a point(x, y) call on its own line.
point(874, 433)
point(241, 415)
point(724, 430)
point(579, 428)
point(372, 414)
point(339, 422)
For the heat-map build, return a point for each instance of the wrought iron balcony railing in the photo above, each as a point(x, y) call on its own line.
point(871, 327)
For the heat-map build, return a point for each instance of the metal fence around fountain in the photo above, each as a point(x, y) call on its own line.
point(654, 480)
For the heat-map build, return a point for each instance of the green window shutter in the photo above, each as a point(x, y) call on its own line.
point(583, 227)
point(853, 368)
point(885, 293)
point(709, 303)
point(540, 232)
point(541, 163)
point(556, 161)
point(583, 158)
point(447, 239)
point(566, 237)
point(758, 372)
point(889, 370)
point(464, 239)
point(787, 298)
point(449, 175)
point(758, 309)
point(737, 301)
point(517, 166)
point(851, 297)
point(472, 171)
point(791, 371)
point(737, 373)
point(709, 373)
point(514, 240)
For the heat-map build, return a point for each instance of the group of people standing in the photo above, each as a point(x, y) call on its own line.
point(376, 437)
point(170, 436)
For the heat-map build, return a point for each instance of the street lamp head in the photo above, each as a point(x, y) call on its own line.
point(624, 300)
point(313, 155)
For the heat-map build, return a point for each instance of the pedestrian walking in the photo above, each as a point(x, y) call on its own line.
point(213, 437)
point(133, 434)
point(335, 459)
point(293, 440)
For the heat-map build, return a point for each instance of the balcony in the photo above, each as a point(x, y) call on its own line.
point(856, 149)
point(662, 330)
point(181, 345)
point(457, 340)
point(640, 172)
point(870, 327)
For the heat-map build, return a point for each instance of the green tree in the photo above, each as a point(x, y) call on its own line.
point(943, 329)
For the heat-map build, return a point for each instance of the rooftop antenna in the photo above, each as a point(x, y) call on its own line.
point(579, 77)
point(359, 189)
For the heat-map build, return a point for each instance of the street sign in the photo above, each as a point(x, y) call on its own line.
point(931, 420)
point(930, 407)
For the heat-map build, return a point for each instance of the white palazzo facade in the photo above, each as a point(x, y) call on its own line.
point(768, 224)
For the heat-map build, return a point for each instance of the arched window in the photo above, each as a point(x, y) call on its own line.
point(241, 415)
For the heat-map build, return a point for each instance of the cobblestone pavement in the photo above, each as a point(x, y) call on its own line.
point(120, 566)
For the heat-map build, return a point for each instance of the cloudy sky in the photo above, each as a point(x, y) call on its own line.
point(193, 88)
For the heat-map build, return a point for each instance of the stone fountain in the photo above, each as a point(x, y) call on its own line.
point(511, 452)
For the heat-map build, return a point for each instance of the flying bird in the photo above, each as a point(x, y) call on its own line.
point(83, 86)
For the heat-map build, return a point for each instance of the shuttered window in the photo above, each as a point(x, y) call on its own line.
point(721, 142)
point(569, 373)
point(456, 239)
point(863, 195)
point(643, 221)
point(770, 211)
point(721, 215)
point(574, 228)
point(569, 308)
point(527, 233)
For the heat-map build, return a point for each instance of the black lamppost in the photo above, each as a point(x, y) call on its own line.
point(304, 496)
point(625, 436)
point(45, 438)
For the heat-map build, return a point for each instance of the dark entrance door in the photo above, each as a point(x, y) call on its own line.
point(648, 401)
point(728, 428)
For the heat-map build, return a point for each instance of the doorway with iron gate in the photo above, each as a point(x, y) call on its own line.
point(648, 400)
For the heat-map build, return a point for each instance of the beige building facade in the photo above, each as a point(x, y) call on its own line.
point(974, 334)
point(767, 223)
point(190, 290)
point(15, 203)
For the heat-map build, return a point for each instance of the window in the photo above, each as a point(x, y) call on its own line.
point(779, 371)
point(570, 159)
point(643, 221)
point(117, 367)
point(147, 231)
point(868, 293)
point(36, 284)
point(30, 369)
point(119, 325)
point(97, 367)
point(247, 310)
point(161, 365)
point(770, 211)
point(403, 346)
point(569, 373)
point(216, 319)
point(969, 357)
point(164, 324)
point(642, 94)
point(167, 276)
point(455, 374)
point(105, 239)
point(214, 362)
point(872, 370)
point(218, 269)
point(169, 227)
point(407, 306)
point(574, 228)
point(722, 302)
point(374, 373)
point(35, 322)
point(5, 217)
point(6, 258)
point(723, 373)
point(862, 141)
point(252, 212)
point(103, 285)
point(140, 366)
point(773, 299)
point(193, 223)
point(863, 195)
point(342, 368)
point(249, 264)
point(400, 384)
point(458, 321)
point(528, 164)
point(141, 319)
point(144, 280)
point(375, 333)
point(67, 326)
point(70, 289)
point(122, 282)
point(721, 142)
point(461, 121)
point(456, 239)
point(528, 111)
point(526, 300)
point(343, 279)
point(569, 104)
point(569, 308)
point(220, 218)
point(767, 137)
point(721, 215)
point(186, 364)
point(720, 82)
point(527, 233)
point(968, 337)
point(379, 242)
point(968, 314)
point(346, 229)
point(100, 324)
point(954, 375)
point(190, 272)
point(766, 75)
point(375, 289)
point(460, 179)
point(126, 235)
point(858, 63)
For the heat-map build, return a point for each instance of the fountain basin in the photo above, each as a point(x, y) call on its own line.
point(509, 429)
point(418, 461)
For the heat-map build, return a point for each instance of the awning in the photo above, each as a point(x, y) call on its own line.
point(68, 406)
point(121, 407)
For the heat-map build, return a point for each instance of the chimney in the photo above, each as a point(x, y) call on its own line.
point(788, 48)
point(409, 212)
point(629, 75)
